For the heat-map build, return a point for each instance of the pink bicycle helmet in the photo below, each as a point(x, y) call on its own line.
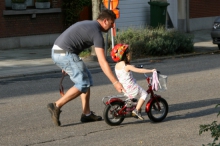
point(118, 51)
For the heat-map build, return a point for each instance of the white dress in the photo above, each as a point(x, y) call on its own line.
point(129, 83)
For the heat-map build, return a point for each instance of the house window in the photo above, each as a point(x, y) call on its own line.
point(29, 3)
point(29, 8)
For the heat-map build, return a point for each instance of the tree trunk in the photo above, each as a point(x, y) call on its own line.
point(96, 4)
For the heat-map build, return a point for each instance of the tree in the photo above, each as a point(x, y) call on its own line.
point(96, 6)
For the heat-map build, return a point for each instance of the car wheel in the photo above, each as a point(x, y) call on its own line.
point(219, 46)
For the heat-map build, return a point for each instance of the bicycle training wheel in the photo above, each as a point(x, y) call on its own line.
point(155, 114)
point(111, 116)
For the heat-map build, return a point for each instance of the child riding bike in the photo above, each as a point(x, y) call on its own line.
point(123, 70)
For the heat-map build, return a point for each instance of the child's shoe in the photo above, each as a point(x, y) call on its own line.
point(138, 114)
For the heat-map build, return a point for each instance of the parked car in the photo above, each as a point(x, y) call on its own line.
point(215, 34)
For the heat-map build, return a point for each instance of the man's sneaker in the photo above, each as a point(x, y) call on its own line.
point(92, 117)
point(138, 114)
point(55, 113)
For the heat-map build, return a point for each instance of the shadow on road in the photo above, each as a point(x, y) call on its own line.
point(194, 105)
point(173, 108)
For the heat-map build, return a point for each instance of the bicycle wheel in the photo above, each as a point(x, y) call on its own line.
point(110, 114)
point(155, 114)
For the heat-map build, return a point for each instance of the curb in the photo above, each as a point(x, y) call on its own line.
point(176, 56)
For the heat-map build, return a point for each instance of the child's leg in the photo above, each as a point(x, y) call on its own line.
point(137, 111)
point(141, 101)
point(143, 96)
point(139, 104)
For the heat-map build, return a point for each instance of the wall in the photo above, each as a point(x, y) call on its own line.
point(133, 13)
point(23, 25)
point(172, 10)
point(181, 15)
point(202, 13)
point(204, 8)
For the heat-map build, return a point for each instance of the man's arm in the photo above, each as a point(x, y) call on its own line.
point(107, 70)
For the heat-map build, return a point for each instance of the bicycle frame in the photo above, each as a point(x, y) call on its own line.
point(152, 96)
point(117, 109)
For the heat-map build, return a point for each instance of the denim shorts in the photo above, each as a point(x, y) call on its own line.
point(73, 65)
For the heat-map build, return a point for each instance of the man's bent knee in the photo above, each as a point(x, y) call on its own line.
point(81, 88)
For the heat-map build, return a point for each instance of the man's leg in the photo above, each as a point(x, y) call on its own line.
point(88, 116)
point(54, 108)
point(72, 93)
point(85, 97)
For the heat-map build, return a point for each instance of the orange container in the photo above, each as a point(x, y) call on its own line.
point(117, 13)
point(113, 4)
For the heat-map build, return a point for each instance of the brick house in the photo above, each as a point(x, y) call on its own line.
point(36, 27)
point(30, 27)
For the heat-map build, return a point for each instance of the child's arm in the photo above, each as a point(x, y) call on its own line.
point(138, 70)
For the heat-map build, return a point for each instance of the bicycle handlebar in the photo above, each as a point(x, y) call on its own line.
point(147, 75)
point(142, 66)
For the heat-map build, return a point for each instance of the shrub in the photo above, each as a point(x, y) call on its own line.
point(214, 128)
point(155, 41)
point(85, 53)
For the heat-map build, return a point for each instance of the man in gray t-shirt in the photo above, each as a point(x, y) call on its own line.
point(80, 36)
point(65, 53)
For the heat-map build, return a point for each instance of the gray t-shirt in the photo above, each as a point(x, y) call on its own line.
point(80, 36)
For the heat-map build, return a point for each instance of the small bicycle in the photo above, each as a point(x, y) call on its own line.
point(117, 109)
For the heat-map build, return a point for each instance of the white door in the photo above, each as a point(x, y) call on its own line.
point(172, 10)
point(133, 13)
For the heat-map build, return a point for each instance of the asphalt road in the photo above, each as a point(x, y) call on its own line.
point(193, 91)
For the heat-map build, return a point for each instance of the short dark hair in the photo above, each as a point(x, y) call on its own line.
point(106, 14)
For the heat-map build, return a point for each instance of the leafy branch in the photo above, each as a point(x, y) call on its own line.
point(214, 128)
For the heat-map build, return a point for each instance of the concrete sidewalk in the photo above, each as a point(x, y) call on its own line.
point(29, 61)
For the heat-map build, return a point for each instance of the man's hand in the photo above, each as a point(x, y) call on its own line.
point(118, 86)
